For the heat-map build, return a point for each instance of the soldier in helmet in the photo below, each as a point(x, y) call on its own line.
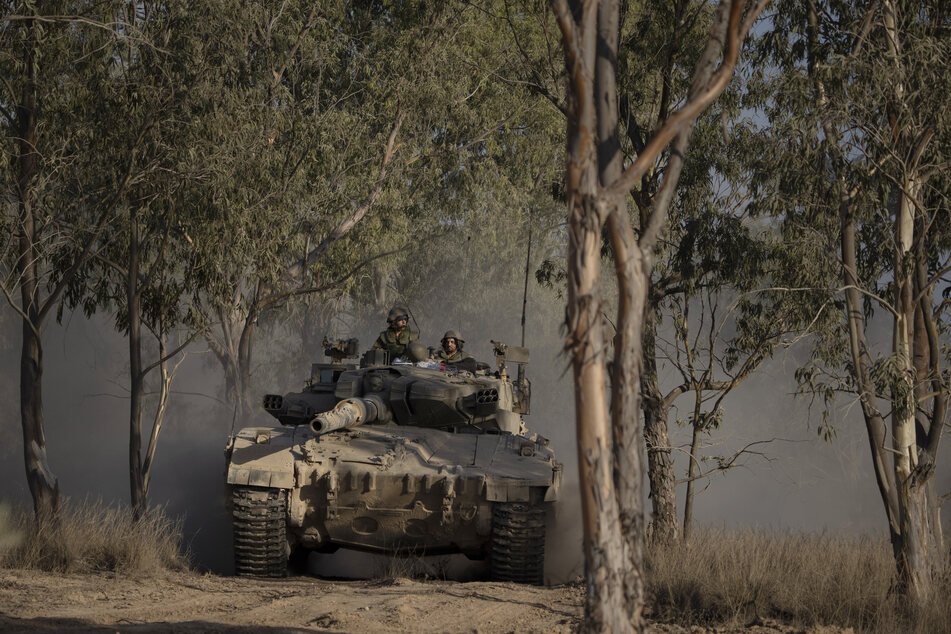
point(397, 336)
point(452, 352)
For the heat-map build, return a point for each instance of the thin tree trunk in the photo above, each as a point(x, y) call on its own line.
point(44, 487)
point(136, 377)
point(874, 421)
point(245, 348)
point(660, 463)
point(165, 382)
point(693, 469)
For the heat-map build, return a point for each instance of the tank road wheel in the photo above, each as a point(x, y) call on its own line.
point(259, 519)
point(517, 551)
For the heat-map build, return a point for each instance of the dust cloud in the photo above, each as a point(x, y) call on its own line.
point(795, 482)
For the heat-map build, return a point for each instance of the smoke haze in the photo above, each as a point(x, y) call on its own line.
point(799, 482)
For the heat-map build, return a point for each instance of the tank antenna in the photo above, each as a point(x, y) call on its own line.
point(412, 316)
point(528, 251)
point(234, 416)
point(528, 262)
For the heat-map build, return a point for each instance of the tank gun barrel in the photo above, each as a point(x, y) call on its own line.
point(350, 413)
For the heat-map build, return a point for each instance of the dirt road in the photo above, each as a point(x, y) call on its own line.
point(33, 601)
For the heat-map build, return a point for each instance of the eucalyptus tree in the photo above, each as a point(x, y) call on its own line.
point(857, 156)
point(708, 246)
point(302, 147)
point(143, 269)
point(498, 202)
point(355, 131)
point(597, 182)
point(54, 58)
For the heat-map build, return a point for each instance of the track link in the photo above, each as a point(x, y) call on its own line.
point(259, 518)
point(518, 543)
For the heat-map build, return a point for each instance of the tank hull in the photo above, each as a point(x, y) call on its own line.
point(392, 488)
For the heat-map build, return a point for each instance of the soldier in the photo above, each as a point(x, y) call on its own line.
point(452, 352)
point(397, 336)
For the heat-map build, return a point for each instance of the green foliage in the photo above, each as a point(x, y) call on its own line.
point(851, 142)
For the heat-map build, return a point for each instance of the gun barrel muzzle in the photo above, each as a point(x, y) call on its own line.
point(346, 414)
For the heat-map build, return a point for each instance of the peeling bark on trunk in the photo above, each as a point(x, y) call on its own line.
point(921, 558)
point(609, 441)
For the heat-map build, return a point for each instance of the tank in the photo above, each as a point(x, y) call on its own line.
point(396, 458)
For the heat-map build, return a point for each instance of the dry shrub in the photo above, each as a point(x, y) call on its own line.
point(805, 579)
point(92, 537)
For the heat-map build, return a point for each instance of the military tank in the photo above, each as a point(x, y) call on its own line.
point(396, 458)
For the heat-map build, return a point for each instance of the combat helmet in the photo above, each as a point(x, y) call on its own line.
point(417, 352)
point(397, 313)
point(453, 334)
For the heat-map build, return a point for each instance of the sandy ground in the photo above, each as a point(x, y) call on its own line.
point(33, 601)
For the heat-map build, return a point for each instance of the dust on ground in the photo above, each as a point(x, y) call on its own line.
point(33, 601)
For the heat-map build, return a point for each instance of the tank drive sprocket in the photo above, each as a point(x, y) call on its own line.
point(518, 543)
point(259, 519)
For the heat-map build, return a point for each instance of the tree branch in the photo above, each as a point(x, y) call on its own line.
point(348, 223)
point(689, 111)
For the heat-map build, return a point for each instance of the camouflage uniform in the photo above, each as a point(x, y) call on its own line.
point(395, 344)
point(458, 355)
point(455, 357)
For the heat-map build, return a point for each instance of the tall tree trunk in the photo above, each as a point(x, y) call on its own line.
point(606, 603)
point(921, 557)
point(632, 280)
point(609, 443)
point(44, 487)
point(660, 463)
point(861, 364)
point(136, 377)
point(608, 600)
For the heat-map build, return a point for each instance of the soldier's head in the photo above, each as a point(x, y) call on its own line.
point(398, 318)
point(417, 352)
point(452, 341)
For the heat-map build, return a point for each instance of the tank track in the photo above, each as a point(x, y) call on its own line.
point(259, 519)
point(517, 551)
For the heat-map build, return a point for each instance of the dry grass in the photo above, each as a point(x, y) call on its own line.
point(92, 537)
point(803, 579)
